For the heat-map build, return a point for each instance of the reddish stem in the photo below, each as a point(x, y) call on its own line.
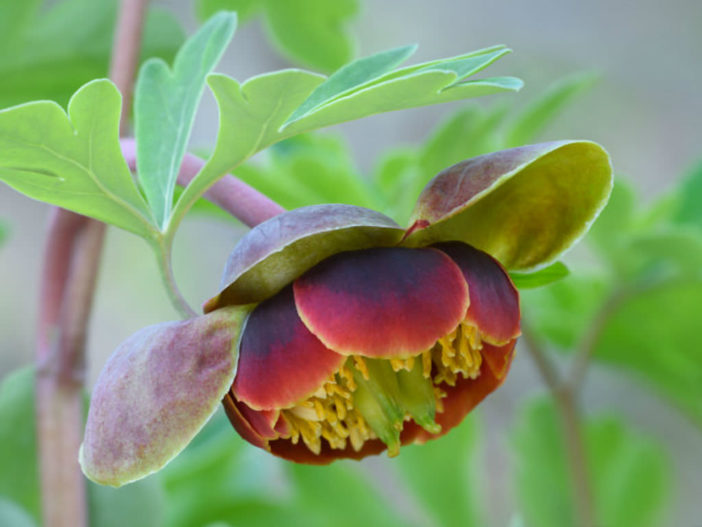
point(242, 201)
point(72, 259)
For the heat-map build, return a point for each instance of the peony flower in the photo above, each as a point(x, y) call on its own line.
point(338, 334)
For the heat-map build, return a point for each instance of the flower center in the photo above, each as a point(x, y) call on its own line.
point(371, 398)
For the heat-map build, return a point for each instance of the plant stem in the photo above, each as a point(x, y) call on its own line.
point(240, 200)
point(565, 396)
point(163, 255)
point(586, 349)
point(72, 258)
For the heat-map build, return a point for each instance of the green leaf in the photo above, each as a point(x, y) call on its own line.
point(629, 472)
point(539, 113)
point(13, 515)
point(234, 472)
point(690, 198)
point(139, 505)
point(19, 477)
point(553, 273)
point(245, 9)
point(560, 313)
point(73, 161)
point(47, 55)
point(655, 334)
point(313, 31)
point(443, 478)
point(3, 232)
point(351, 76)
point(142, 504)
point(165, 102)
point(252, 114)
point(325, 492)
point(307, 170)
point(615, 223)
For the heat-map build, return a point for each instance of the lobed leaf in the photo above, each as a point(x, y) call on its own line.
point(73, 160)
point(351, 77)
point(253, 115)
point(628, 472)
point(165, 102)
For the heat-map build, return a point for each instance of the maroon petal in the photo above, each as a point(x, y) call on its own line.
point(382, 302)
point(280, 361)
point(494, 301)
point(277, 251)
point(299, 453)
point(242, 425)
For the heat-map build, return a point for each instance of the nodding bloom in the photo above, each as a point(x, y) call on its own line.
point(338, 334)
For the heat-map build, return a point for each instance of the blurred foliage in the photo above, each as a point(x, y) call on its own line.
point(637, 285)
point(4, 230)
point(138, 505)
point(629, 472)
point(312, 32)
point(49, 52)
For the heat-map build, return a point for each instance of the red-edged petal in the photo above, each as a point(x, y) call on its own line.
point(242, 425)
point(467, 393)
point(494, 301)
point(299, 453)
point(382, 302)
point(280, 361)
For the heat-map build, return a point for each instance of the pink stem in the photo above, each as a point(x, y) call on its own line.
point(71, 265)
point(242, 201)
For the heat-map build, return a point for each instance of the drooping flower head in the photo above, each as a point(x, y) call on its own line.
point(337, 333)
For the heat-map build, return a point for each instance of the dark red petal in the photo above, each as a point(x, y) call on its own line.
point(280, 361)
point(494, 301)
point(299, 453)
point(243, 427)
point(382, 302)
point(467, 394)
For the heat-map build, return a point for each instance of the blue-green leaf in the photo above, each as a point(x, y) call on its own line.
point(252, 115)
point(352, 76)
point(165, 104)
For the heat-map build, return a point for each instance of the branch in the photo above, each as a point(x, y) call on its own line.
point(240, 200)
point(567, 406)
point(71, 264)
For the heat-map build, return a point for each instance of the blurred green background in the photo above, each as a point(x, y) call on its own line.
point(506, 465)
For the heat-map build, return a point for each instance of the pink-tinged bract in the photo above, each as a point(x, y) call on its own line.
point(156, 391)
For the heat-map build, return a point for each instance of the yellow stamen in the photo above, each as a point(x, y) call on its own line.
point(329, 413)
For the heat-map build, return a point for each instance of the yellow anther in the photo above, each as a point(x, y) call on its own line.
point(426, 364)
point(361, 366)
